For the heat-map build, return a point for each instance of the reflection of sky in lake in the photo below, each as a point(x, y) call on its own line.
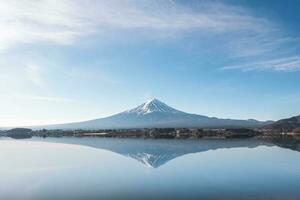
point(43, 170)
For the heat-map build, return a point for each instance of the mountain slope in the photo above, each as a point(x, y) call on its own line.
point(286, 124)
point(156, 114)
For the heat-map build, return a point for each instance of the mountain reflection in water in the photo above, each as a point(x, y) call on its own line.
point(107, 168)
point(155, 153)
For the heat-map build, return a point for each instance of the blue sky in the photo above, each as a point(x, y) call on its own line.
point(73, 60)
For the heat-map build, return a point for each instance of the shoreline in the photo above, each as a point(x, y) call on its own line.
point(158, 133)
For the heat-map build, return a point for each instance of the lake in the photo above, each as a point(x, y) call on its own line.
point(112, 168)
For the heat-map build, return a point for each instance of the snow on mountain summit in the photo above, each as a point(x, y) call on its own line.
point(153, 105)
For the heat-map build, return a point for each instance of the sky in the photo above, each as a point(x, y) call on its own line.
point(72, 60)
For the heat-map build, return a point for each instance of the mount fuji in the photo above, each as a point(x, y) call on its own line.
point(156, 114)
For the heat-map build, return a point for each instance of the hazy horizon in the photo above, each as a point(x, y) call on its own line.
point(73, 60)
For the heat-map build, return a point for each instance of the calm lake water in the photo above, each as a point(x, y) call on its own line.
point(111, 168)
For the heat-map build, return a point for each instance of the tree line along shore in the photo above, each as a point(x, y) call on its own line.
point(158, 133)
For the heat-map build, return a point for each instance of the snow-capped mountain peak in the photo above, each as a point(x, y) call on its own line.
point(155, 114)
point(153, 105)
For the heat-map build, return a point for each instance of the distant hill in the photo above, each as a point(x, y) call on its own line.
point(156, 114)
point(285, 124)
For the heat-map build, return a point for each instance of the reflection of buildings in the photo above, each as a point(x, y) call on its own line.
point(155, 153)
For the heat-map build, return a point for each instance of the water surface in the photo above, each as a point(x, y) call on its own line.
point(111, 168)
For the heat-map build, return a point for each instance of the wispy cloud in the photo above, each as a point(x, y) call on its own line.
point(34, 21)
point(34, 74)
point(21, 74)
point(63, 21)
point(279, 64)
point(41, 98)
point(91, 74)
point(241, 32)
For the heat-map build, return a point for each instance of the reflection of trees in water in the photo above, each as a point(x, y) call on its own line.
point(154, 153)
point(287, 142)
